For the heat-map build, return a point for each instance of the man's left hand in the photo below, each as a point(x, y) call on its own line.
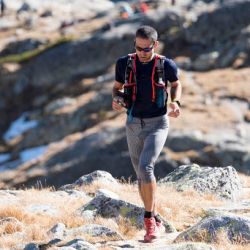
point(175, 110)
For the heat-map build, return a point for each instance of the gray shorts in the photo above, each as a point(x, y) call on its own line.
point(146, 139)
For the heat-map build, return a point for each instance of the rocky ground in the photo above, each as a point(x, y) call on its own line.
point(204, 209)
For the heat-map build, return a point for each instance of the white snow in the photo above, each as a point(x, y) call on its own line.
point(19, 126)
point(32, 153)
point(4, 157)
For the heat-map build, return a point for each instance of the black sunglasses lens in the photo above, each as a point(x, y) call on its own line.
point(144, 49)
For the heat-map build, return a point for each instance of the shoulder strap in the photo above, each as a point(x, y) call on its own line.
point(130, 69)
point(160, 68)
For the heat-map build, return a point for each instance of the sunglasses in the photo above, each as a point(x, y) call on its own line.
point(144, 49)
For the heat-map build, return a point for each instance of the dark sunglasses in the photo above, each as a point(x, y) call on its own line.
point(144, 49)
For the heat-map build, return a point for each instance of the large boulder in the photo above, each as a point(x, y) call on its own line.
point(235, 228)
point(109, 206)
point(223, 182)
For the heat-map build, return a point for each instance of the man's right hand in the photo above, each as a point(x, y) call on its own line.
point(118, 103)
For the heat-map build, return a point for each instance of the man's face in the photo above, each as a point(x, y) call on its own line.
point(144, 49)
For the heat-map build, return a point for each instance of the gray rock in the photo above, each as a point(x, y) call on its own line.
point(95, 230)
point(188, 246)
point(232, 154)
point(22, 46)
point(208, 229)
point(79, 244)
point(107, 207)
point(107, 193)
point(32, 246)
point(205, 61)
point(181, 141)
point(223, 182)
point(96, 176)
point(58, 231)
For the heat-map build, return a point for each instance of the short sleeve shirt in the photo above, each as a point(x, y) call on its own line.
point(144, 107)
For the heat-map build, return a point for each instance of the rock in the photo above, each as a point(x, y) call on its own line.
point(21, 46)
point(223, 182)
point(205, 61)
point(107, 193)
point(95, 230)
point(208, 229)
point(46, 13)
point(182, 141)
point(78, 244)
point(189, 246)
point(96, 176)
point(232, 154)
point(32, 246)
point(58, 231)
point(108, 207)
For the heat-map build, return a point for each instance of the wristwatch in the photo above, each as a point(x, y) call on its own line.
point(178, 102)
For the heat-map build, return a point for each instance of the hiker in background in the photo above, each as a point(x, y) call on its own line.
point(126, 10)
point(3, 7)
point(143, 77)
point(143, 7)
point(173, 2)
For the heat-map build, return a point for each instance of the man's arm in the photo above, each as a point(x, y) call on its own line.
point(115, 94)
point(175, 93)
point(116, 88)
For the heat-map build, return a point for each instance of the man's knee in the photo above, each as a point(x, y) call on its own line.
point(146, 173)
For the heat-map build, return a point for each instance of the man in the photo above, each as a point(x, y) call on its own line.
point(147, 123)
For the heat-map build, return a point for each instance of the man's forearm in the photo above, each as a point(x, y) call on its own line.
point(115, 92)
point(175, 91)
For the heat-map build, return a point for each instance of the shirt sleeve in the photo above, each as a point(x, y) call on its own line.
point(120, 70)
point(171, 71)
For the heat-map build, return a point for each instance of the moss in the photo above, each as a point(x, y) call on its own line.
point(27, 55)
point(90, 207)
point(124, 211)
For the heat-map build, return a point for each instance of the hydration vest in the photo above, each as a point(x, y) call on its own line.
point(159, 88)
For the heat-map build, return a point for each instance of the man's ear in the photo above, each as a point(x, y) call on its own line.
point(156, 44)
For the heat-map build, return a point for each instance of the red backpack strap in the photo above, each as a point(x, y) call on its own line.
point(158, 68)
point(130, 73)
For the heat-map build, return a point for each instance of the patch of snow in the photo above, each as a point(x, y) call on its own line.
point(32, 153)
point(19, 126)
point(4, 157)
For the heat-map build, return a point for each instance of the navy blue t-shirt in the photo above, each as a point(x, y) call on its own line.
point(144, 107)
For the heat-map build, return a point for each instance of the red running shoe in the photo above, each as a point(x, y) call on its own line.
point(150, 226)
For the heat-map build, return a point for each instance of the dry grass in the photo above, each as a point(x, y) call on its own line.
point(182, 209)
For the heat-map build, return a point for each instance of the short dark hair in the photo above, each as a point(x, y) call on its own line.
point(147, 32)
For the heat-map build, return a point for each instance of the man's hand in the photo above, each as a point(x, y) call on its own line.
point(118, 103)
point(175, 110)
